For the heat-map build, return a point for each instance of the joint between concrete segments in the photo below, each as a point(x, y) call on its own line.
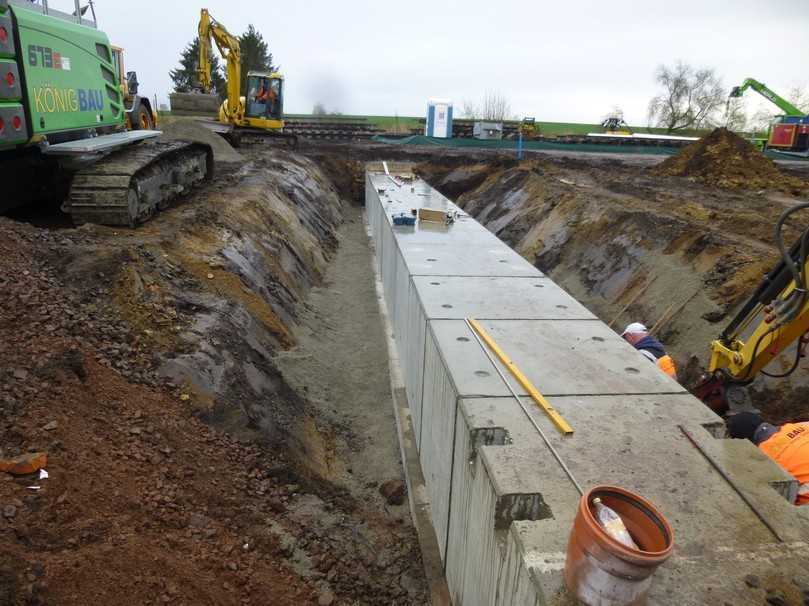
point(520, 508)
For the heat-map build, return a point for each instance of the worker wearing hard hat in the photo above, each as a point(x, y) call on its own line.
point(787, 445)
point(638, 335)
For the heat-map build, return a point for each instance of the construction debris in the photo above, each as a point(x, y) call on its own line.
point(726, 160)
point(24, 464)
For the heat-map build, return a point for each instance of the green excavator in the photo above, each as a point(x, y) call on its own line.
point(790, 132)
point(71, 122)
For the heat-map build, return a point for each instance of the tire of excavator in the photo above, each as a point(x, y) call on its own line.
point(142, 119)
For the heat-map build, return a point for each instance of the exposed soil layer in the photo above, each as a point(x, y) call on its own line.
point(672, 253)
point(193, 130)
point(724, 159)
point(190, 460)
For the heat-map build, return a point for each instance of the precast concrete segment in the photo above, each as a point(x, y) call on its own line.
point(490, 490)
point(480, 297)
point(708, 517)
point(561, 357)
point(496, 298)
point(501, 506)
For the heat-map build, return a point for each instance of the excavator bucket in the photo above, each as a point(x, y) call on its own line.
point(195, 103)
point(736, 91)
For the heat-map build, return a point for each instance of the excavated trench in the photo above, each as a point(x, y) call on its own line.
point(632, 246)
point(253, 302)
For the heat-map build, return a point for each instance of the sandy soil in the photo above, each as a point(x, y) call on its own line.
point(341, 364)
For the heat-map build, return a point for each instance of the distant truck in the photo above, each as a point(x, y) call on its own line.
point(790, 133)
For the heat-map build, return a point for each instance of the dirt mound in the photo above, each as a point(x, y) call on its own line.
point(192, 130)
point(726, 160)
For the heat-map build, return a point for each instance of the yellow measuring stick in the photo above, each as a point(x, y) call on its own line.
point(537, 397)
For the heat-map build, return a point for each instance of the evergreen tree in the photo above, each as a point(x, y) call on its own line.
point(255, 54)
point(185, 76)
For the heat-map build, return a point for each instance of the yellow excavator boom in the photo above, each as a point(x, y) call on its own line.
point(229, 48)
point(772, 319)
point(263, 110)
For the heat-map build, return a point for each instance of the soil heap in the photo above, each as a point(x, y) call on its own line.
point(724, 159)
point(188, 129)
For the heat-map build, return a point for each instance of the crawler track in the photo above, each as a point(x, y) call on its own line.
point(128, 186)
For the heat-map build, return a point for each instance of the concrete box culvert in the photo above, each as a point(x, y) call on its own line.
point(625, 424)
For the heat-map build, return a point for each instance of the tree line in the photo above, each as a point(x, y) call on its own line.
point(689, 98)
point(695, 98)
point(255, 55)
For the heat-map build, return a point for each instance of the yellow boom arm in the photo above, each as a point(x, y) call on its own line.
point(780, 305)
point(228, 45)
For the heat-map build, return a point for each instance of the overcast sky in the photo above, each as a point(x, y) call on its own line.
point(568, 61)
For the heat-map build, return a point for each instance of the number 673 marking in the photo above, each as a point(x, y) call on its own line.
point(40, 55)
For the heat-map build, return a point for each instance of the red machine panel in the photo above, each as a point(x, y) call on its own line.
point(783, 135)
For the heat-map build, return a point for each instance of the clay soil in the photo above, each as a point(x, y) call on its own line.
point(188, 388)
point(724, 159)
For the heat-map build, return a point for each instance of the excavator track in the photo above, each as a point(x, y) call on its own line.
point(128, 186)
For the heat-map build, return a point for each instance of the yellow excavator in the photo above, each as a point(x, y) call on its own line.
point(261, 111)
point(772, 319)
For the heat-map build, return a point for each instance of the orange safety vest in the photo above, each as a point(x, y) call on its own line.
point(666, 364)
point(789, 447)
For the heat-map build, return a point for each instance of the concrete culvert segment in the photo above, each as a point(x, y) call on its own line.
point(502, 507)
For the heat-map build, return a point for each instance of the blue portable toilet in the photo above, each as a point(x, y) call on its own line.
point(439, 118)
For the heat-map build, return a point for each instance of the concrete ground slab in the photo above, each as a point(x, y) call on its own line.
point(496, 298)
point(561, 357)
point(465, 259)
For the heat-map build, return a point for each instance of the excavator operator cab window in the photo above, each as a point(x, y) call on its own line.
point(118, 62)
point(264, 97)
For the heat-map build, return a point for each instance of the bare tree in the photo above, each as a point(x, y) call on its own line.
point(734, 118)
point(470, 110)
point(319, 109)
point(766, 115)
point(799, 97)
point(494, 106)
point(691, 98)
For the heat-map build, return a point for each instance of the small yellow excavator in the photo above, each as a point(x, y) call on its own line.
point(261, 112)
point(773, 318)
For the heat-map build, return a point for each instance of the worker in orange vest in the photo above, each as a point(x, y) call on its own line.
point(787, 445)
point(638, 335)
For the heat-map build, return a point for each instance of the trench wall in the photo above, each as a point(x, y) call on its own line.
point(501, 507)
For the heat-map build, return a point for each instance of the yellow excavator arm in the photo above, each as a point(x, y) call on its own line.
point(229, 48)
point(773, 318)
